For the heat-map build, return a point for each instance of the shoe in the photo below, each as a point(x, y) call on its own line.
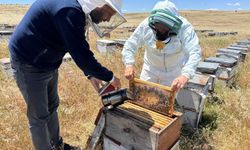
point(69, 147)
point(64, 146)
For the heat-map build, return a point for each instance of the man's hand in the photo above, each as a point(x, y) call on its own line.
point(179, 83)
point(116, 83)
point(129, 72)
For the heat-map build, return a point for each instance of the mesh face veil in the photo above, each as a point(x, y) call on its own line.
point(104, 28)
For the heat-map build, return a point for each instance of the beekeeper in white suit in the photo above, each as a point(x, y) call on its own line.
point(49, 29)
point(172, 49)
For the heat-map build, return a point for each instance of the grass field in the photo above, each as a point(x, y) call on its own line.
point(226, 119)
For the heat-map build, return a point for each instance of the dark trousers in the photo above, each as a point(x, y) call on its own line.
point(39, 89)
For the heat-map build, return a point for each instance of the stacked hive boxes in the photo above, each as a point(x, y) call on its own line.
point(191, 99)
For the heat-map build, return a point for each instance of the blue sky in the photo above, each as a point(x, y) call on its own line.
point(146, 5)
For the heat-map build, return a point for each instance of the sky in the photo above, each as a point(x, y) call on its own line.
point(147, 5)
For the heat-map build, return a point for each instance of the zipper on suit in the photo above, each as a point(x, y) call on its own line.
point(165, 62)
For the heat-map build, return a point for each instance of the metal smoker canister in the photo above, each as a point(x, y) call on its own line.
point(116, 98)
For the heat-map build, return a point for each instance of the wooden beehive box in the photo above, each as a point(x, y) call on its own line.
point(141, 125)
point(139, 128)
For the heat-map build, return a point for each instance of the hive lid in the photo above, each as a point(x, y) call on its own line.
point(207, 67)
point(238, 48)
point(224, 50)
point(240, 45)
point(4, 61)
point(225, 62)
point(199, 79)
point(228, 55)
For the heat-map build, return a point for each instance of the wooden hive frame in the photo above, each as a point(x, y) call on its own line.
point(153, 96)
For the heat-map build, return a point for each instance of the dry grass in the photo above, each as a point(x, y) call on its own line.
point(225, 122)
point(220, 20)
point(12, 14)
point(4, 49)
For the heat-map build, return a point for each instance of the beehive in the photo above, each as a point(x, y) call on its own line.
point(136, 127)
point(191, 99)
point(139, 124)
point(6, 66)
point(106, 46)
point(227, 53)
point(226, 69)
point(208, 68)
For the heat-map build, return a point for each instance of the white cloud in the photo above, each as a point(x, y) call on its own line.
point(233, 4)
point(124, 10)
point(212, 9)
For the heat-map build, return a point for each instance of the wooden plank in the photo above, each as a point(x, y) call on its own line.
point(130, 132)
point(170, 134)
point(153, 84)
point(109, 144)
point(96, 136)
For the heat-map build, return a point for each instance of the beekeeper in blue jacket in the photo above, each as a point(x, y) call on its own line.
point(172, 49)
point(49, 29)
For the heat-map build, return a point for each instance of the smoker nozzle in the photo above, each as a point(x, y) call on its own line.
point(116, 98)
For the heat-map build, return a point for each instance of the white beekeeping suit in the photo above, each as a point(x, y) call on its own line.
point(104, 27)
point(180, 56)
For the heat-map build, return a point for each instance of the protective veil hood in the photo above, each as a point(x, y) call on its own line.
point(166, 13)
point(89, 5)
point(104, 27)
point(167, 5)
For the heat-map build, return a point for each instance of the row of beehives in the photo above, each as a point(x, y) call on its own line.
point(214, 33)
point(6, 66)
point(222, 68)
point(221, 33)
point(6, 31)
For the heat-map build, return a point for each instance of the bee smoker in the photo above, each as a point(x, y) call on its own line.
point(110, 96)
point(116, 98)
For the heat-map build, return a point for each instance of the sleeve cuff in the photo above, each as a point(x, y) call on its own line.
point(113, 79)
point(186, 75)
point(129, 64)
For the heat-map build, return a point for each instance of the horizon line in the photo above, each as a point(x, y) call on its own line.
point(143, 11)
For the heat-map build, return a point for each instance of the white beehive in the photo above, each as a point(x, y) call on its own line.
point(191, 98)
point(106, 46)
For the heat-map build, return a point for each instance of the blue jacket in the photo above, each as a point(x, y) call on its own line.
point(51, 28)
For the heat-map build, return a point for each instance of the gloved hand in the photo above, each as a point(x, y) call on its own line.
point(130, 72)
point(179, 83)
point(115, 82)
